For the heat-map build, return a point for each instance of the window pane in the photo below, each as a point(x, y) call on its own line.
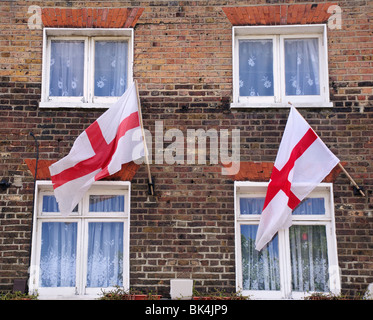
point(105, 254)
point(251, 205)
point(256, 68)
point(103, 203)
point(309, 258)
point(58, 254)
point(50, 204)
point(110, 68)
point(66, 68)
point(302, 67)
point(314, 206)
point(260, 269)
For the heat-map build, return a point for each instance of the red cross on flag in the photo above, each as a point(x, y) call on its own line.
point(302, 162)
point(113, 139)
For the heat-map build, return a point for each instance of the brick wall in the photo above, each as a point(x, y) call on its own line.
point(183, 63)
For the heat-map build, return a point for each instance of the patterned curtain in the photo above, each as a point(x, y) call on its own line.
point(66, 68)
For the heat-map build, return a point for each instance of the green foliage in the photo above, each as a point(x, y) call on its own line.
point(18, 296)
point(330, 296)
point(219, 295)
point(119, 293)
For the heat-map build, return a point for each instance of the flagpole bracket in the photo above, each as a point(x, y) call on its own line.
point(358, 190)
point(151, 187)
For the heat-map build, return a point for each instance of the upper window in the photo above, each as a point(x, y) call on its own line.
point(299, 260)
point(276, 65)
point(86, 251)
point(85, 67)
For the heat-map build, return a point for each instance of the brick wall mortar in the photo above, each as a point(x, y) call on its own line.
point(183, 65)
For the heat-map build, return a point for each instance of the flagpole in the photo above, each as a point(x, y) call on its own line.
point(143, 139)
point(346, 173)
point(352, 180)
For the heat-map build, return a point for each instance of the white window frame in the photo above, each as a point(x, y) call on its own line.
point(278, 34)
point(89, 36)
point(82, 218)
point(258, 189)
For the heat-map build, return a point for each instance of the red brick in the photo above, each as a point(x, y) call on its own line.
point(91, 17)
point(278, 14)
point(127, 172)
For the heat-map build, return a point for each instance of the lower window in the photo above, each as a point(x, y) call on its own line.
point(298, 261)
point(86, 251)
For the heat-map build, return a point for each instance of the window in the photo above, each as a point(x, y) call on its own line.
point(276, 65)
point(85, 67)
point(299, 260)
point(83, 252)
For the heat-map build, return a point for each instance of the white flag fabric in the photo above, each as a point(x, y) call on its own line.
point(302, 162)
point(113, 139)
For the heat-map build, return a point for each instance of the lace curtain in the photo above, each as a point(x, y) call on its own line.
point(105, 254)
point(309, 258)
point(302, 67)
point(260, 269)
point(58, 255)
point(66, 68)
point(308, 250)
point(256, 68)
point(110, 68)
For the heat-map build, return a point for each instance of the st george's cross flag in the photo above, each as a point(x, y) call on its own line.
point(302, 162)
point(113, 139)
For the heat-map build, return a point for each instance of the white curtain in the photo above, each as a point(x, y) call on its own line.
point(66, 68)
point(313, 206)
point(105, 246)
point(110, 68)
point(260, 269)
point(110, 203)
point(256, 68)
point(105, 254)
point(251, 205)
point(302, 67)
point(308, 249)
point(50, 204)
point(309, 258)
point(58, 254)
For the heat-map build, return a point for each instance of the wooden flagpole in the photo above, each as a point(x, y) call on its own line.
point(143, 138)
point(346, 173)
point(352, 180)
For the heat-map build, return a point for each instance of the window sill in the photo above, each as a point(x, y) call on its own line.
point(245, 105)
point(75, 105)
